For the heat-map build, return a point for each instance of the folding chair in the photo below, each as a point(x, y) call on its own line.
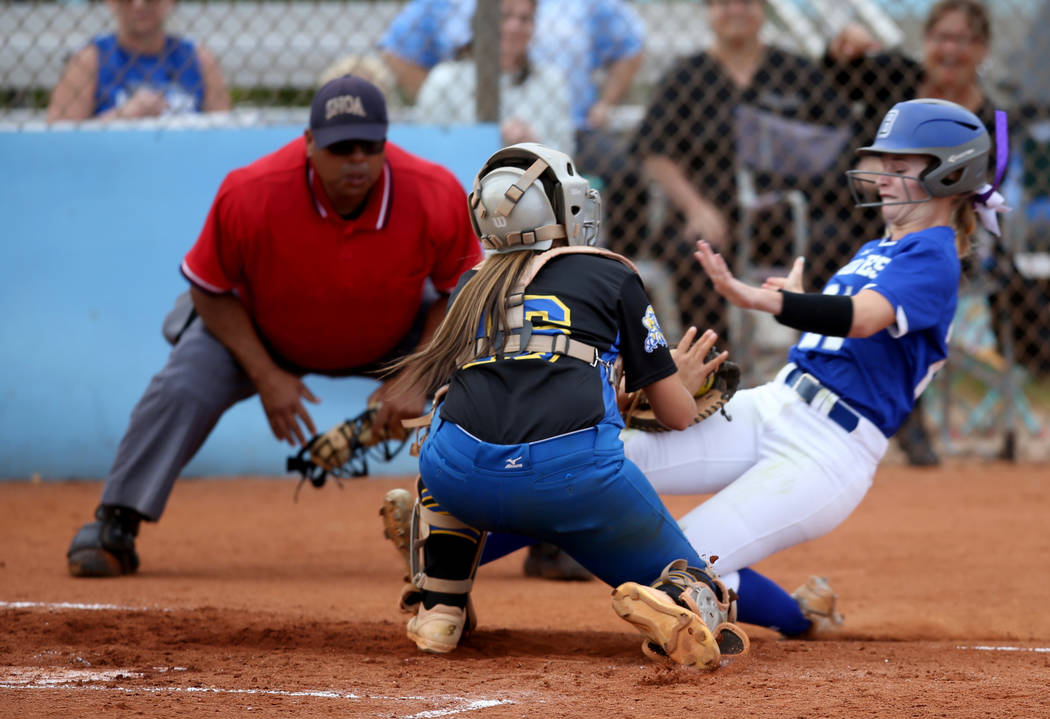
point(770, 144)
point(976, 365)
point(977, 356)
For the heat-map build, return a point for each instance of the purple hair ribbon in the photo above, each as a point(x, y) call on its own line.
point(987, 201)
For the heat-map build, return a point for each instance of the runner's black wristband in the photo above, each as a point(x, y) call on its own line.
point(830, 315)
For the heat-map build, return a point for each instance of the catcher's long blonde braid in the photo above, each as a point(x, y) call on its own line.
point(483, 296)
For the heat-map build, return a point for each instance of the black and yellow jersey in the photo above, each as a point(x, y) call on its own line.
point(532, 396)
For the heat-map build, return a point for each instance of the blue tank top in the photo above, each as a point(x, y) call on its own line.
point(175, 72)
point(881, 376)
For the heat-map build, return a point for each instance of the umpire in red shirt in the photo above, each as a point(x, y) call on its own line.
point(332, 255)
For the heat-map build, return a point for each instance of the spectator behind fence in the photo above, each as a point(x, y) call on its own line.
point(534, 98)
point(955, 41)
point(708, 117)
point(331, 255)
point(582, 37)
point(371, 67)
point(139, 71)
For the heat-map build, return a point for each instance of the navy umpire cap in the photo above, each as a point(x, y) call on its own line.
point(348, 108)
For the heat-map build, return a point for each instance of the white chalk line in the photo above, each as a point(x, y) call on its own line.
point(52, 679)
point(1040, 650)
point(82, 675)
point(84, 607)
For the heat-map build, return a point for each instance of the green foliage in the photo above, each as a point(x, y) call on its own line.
point(272, 96)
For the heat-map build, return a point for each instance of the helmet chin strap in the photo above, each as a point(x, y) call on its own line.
point(523, 241)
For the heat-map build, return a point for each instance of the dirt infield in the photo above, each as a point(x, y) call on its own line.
point(248, 604)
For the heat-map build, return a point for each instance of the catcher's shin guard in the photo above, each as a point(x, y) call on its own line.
point(818, 603)
point(438, 628)
point(106, 547)
point(397, 509)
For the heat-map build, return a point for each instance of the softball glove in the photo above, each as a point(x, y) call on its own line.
point(718, 388)
point(343, 450)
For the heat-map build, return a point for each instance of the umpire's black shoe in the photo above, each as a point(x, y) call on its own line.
point(547, 561)
point(106, 548)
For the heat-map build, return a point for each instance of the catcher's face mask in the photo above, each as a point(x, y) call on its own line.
point(526, 196)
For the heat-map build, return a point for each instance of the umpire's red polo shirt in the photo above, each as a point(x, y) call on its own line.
point(330, 294)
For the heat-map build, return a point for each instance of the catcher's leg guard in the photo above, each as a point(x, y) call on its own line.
point(818, 603)
point(106, 547)
point(442, 607)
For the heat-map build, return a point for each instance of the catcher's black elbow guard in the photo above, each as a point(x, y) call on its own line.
point(823, 314)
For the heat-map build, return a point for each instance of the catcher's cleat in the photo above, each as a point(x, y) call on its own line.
point(411, 600)
point(397, 522)
point(671, 631)
point(818, 603)
point(731, 639)
point(437, 630)
point(106, 547)
point(548, 561)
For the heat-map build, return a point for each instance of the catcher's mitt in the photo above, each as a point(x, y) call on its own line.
point(343, 450)
point(718, 388)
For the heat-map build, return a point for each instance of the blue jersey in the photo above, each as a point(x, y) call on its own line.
point(176, 73)
point(881, 376)
point(579, 38)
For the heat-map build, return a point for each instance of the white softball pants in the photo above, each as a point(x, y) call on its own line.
point(781, 473)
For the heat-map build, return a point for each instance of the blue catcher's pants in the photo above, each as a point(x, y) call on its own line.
point(575, 490)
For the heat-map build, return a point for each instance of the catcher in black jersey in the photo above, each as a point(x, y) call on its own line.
point(526, 438)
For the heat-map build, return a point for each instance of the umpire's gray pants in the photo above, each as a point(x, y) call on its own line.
point(181, 406)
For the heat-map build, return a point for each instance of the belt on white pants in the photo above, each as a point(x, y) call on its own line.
point(820, 398)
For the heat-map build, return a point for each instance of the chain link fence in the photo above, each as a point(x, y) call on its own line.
point(681, 141)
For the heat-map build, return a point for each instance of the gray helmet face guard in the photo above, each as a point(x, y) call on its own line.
point(862, 184)
point(526, 196)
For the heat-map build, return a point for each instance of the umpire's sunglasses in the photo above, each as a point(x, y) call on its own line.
point(349, 147)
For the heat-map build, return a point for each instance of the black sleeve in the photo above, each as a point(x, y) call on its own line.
point(659, 128)
point(646, 355)
point(825, 104)
point(874, 83)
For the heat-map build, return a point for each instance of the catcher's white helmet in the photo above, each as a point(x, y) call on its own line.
point(528, 195)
